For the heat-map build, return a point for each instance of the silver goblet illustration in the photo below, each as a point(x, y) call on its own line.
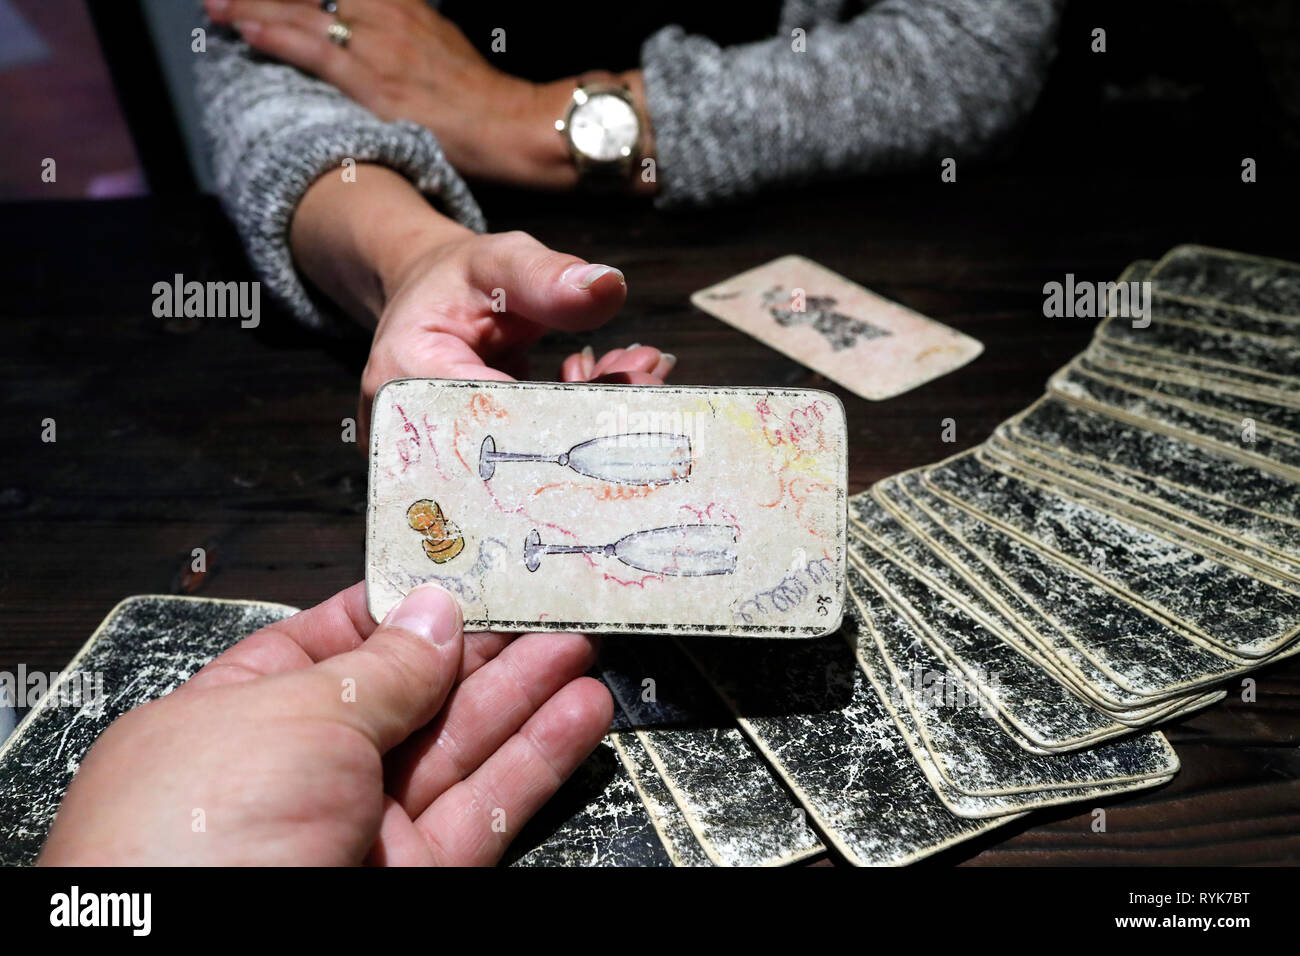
point(635, 458)
point(684, 550)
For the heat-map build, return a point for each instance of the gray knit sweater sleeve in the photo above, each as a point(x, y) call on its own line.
point(274, 131)
point(901, 82)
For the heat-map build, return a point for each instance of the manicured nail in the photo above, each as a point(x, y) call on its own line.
point(427, 611)
point(670, 359)
point(248, 29)
point(583, 277)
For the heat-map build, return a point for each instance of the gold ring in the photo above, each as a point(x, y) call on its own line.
point(339, 33)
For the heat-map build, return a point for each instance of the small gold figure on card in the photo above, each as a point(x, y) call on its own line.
point(442, 539)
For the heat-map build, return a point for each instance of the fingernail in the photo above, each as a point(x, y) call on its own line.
point(588, 353)
point(584, 276)
point(428, 611)
point(248, 29)
point(216, 6)
point(670, 358)
point(634, 345)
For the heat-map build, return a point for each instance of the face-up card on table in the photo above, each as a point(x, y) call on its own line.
point(611, 508)
point(873, 347)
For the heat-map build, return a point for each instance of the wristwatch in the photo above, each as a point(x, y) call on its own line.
point(602, 129)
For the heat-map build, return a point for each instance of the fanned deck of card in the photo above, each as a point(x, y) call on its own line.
point(1107, 560)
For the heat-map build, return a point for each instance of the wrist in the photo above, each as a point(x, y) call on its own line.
point(356, 240)
point(540, 146)
point(413, 235)
point(640, 184)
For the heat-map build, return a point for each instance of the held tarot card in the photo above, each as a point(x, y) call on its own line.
point(610, 507)
point(873, 347)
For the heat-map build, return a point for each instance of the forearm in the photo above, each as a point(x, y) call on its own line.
point(900, 84)
point(276, 134)
point(355, 240)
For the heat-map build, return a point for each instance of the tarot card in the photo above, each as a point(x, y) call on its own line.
point(1277, 421)
point(1216, 605)
point(809, 708)
point(1071, 652)
point(1249, 422)
point(974, 766)
point(738, 812)
point(1279, 332)
point(146, 647)
point(611, 508)
point(962, 573)
point(1183, 371)
point(1043, 714)
point(1093, 490)
point(1163, 465)
point(1280, 388)
point(1234, 352)
point(873, 347)
point(1266, 286)
point(597, 818)
point(1142, 654)
point(680, 842)
point(1218, 431)
point(938, 559)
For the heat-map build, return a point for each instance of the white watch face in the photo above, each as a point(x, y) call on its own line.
point(604, 128)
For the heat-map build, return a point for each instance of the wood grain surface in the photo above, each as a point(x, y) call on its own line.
point(177, 434)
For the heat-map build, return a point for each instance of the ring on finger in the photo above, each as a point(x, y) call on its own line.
point(339, 33)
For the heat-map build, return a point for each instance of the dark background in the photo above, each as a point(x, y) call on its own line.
point(176, 434)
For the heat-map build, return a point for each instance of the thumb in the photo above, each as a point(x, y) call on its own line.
point(550, 288)
point(403, 672)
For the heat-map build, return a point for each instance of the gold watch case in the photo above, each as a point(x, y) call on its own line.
point(591, 168)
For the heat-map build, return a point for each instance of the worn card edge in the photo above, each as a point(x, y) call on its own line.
point(1171, 619)
point(1039, 743)
point(824, 826)
point(951, 796)
point(1123, 681)
point(1147, 518)
point(1171, 755)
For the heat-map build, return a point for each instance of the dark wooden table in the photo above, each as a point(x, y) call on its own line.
point(175, 435)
